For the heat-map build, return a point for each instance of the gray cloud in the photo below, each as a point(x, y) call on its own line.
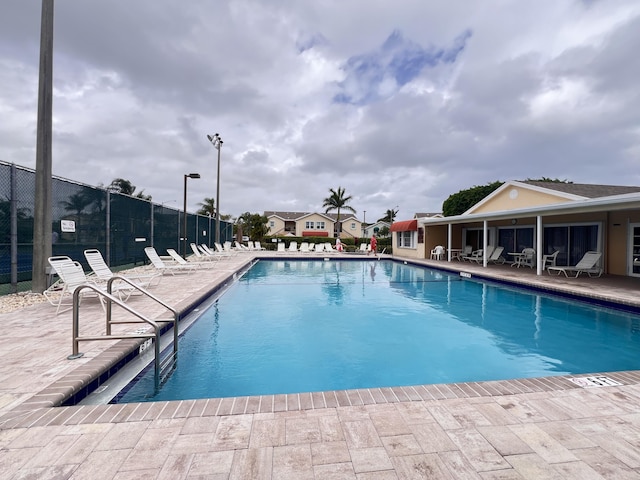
point(434, 97)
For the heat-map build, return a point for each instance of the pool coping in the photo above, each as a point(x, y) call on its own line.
point(48, 405)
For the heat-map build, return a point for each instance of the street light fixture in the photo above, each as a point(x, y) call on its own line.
point(184, 229)
point(217, 142)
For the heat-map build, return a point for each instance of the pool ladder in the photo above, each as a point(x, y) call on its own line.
point(163, 366)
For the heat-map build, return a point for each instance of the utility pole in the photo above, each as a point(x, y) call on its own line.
point(42, 217)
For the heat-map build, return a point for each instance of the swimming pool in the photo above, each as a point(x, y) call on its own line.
point(303, 326)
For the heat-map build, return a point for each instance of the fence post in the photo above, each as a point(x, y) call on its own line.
point(107, 238)
point(151, 232)
point(13, 202)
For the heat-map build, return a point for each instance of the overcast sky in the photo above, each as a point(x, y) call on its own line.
point(400, 103)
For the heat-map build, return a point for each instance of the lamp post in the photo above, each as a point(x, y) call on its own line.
point(216, 141)
point(184, 228)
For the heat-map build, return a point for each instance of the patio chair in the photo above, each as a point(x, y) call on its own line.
point(72, 276)
point(304, 247)
point(437, 253)
point(102, 271)
point(527, 259)
point(472, 256)
point(258, 246)
point(588, 264)
point(240, 247)
point(466, 252)
point(549, 260)
point(363, 248)
point(157, 262)
point(224, 251)
point(202, 255)
point(318, 248)
point(496, 256)
point(329, 248)
point(293, 246)
point(281, 248)
point(181, 261)
point(480, 258)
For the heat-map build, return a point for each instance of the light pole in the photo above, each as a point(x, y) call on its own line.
point(184, 229)
point(216, 141)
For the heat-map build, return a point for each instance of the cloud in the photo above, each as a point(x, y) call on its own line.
point(399, 104)
point(380, 74)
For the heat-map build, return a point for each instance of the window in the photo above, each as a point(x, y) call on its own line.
point(320, 225)
point(272, 223)
point(309, 225)
point(353, 226)
point(406, 240)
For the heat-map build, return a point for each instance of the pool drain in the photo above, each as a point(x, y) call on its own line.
point(597, 381)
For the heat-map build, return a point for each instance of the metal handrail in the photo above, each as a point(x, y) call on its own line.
point(108, 295)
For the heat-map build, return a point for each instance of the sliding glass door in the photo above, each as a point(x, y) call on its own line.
point(634, 251)
point(571, 241)
point(516, 239)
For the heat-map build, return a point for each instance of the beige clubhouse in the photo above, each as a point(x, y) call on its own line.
point(547, 216)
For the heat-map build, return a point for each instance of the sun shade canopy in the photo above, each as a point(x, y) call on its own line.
point(405, 226)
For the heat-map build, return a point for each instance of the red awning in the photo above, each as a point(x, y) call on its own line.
point(315, 234)
point(405, 226)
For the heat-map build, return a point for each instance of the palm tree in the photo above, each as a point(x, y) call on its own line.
point(120, 185)
point(389, 216)
point(207, 207)
point(337, 201)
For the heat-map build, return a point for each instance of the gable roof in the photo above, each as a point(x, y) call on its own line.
point(294, 216)
point(584, 189)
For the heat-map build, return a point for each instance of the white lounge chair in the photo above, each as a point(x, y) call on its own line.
point(472, 256)
point(157, 262)
point(364, 248)
point(102, 271)
point(223, 251)
point(72, 276)
point(318, 248)
point(240, 247)
point(304, 247)
point(203, 255)
point(480, 257)
point(293, 246)
point(496, 256)
point(588, 264)
point(329, 248)
point(281, 248)
point(258, 246)
point(181, 261)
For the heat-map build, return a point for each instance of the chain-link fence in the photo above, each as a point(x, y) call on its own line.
point(83, 217)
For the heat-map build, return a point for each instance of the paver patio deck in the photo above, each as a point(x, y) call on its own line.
point(534, 428)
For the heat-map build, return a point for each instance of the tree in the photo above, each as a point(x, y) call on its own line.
point(120, 185)
point(76, 203)
point(389, 216)
point(460, 202)
point(207, 207)
point(141, 195)
point(253, 225)
point(338, 201)
point(125, 187)
point(547, 179)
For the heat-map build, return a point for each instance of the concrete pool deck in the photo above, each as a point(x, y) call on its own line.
point(534, 428)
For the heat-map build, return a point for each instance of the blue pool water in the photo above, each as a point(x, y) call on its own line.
point(303, 326)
